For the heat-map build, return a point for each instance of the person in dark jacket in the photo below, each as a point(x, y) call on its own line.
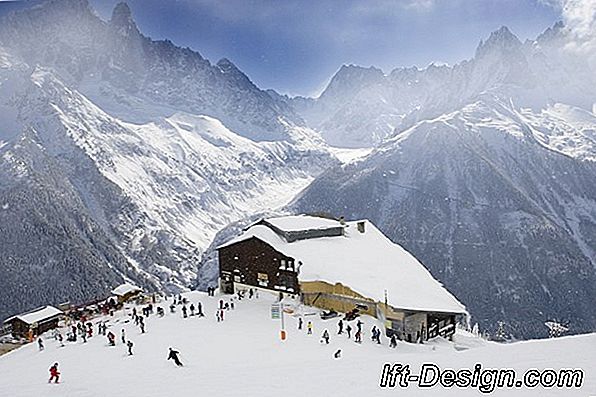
point(326, 337)
point(173, 355)
point(340, 325)
point(129, 344)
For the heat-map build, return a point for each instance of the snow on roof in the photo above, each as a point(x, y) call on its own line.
point(37, 315)
point(125, 288)
point(292, 223)
point(369, 263)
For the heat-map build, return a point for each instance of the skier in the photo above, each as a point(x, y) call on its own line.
point(373, 333)
point(309, 328)
point(221, 314)
point(54, 374)
point(300, 323)
point(358, 336)
point(378, 336)
point(393, 341)
point(60, 339)
point(217, 316)
point(174, 356)
point(40, 343)
point(123, 336)
point(111, 339)
point(142, 325)
point(232, 303)
point(173, 308)
point(192, 309)
point(325, 337)
point(200, 310)
point(349, 331)
point(129, 344)
point(184, 311)
point(341, 327)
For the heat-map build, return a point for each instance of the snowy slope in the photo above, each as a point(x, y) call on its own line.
point(244, 357)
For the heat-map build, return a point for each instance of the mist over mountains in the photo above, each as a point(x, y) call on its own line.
point(122, 157)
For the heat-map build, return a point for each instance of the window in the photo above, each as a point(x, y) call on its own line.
point(263, 279)
point(283, 264)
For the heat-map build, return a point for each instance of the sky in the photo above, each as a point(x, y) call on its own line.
point(295, 46)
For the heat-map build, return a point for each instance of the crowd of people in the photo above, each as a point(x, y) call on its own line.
point(83, 329)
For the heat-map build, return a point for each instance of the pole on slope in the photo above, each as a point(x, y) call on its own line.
point(283, 329)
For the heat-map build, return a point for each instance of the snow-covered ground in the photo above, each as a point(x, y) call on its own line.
point(243, 356)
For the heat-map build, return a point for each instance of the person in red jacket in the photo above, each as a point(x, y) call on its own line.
point(54, 374)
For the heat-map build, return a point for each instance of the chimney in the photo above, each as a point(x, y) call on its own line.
point(361, 226)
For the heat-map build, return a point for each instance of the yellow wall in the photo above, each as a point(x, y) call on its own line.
point(336, 297)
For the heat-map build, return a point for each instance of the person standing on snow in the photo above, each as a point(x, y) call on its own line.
point(340, 325)
point(393, 341)
point(40, 343)
point(129, 344)
point(349, 331)
point(184, 311)
point(359, 325)
point(111, 339)
point(192, 309)
point(173, 355)
point(54, 374)
point(300, 321)
point(200, 310)
point(123, 336)
point(326, 337)
point(358, 336)
point(309, 328)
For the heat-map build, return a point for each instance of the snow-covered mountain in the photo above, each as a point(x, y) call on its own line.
point(362, 106)
point(121, 157)
point(502, 219)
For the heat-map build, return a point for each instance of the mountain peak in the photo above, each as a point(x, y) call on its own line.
point(499, 40)
point(122, 17)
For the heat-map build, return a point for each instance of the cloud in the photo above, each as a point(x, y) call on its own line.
point(579, 17)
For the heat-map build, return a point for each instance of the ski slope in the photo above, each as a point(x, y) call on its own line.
point(243, 356)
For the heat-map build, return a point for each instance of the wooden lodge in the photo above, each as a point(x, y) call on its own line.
point(341, 266)
point(34, 322)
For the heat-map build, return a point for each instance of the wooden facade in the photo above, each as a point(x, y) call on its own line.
point(255, 263)
point(21, 329)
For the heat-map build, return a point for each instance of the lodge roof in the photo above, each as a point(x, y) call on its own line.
point(294, 223)
point(38, 315)
point(367, 262)
point(126, 288)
